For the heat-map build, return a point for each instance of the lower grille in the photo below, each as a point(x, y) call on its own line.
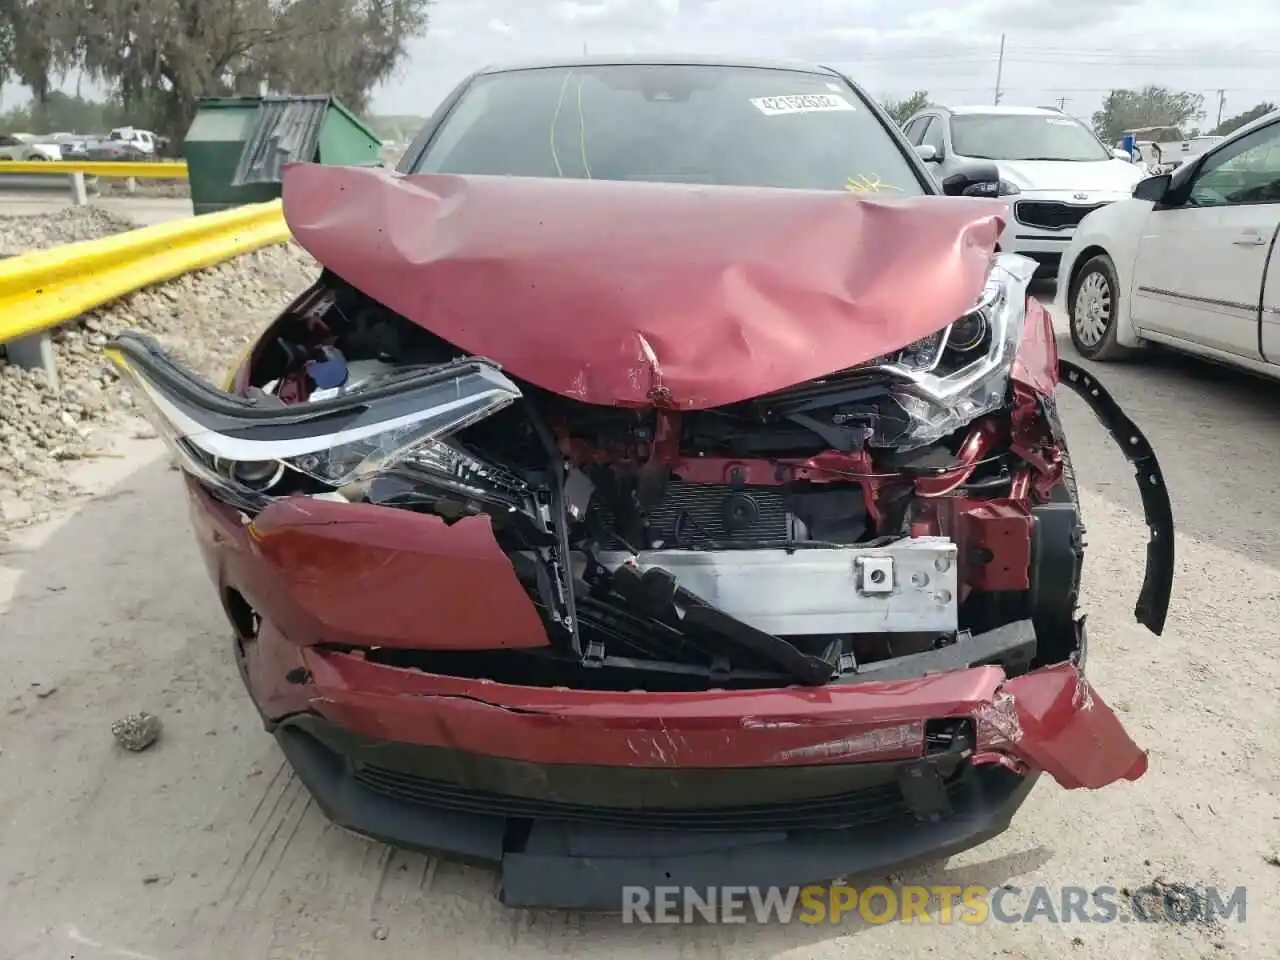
point(697, 514)
point(871, 805)
point(1049, 215)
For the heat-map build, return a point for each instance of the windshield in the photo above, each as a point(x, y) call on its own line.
point(688, 124)
point(1024, 137)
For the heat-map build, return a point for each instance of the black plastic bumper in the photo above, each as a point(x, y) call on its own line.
point(576, 863)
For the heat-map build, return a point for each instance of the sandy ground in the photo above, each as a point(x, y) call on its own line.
point(206, 846)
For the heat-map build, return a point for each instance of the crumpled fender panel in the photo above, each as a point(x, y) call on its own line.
point(648, 294)
point(1035, 365)
point(372, 576)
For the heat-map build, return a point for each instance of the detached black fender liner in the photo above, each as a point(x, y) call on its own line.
point(1157, 584)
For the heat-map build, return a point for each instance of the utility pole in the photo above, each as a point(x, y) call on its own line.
point(999, 71)
point(1222, 100)
point(1062, 103)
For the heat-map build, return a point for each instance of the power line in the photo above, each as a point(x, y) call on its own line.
point(1235, 51)
point(1209, 57)
point(1055, 89)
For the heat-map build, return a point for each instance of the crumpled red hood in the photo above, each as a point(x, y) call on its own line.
point(648, 294)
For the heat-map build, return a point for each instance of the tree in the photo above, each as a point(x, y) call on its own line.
point(160, 56)
point(63, 112)
point(902, 110)
point(360, 44)
point(31, 45)
point(1232, 124)
point(1149, 107)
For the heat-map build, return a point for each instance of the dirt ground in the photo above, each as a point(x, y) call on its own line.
point(205, 846)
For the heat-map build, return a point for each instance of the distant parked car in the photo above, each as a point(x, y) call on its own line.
point(76, 148)
point(23, 146)
point(109, 149)
point(1167, 153)
point(1053, 169)
point(144, 141)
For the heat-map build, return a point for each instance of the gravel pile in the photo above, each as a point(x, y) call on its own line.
point(204, 319)
point(23, 232)
point(143, 188)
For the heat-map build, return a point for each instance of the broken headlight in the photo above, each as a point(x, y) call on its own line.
point(951, 377)
point(243, 448)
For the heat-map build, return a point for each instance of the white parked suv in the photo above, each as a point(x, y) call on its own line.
point(1053, 169)
point(142, 140)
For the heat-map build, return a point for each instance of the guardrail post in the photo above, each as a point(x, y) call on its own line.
point(34, 353)
point(79, 195)
point(131, 185)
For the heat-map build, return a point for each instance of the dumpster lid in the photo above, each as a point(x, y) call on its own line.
point(285, 130)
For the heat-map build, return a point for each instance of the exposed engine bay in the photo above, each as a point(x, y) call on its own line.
point(821, 533)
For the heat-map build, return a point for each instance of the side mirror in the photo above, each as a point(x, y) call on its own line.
point(1124, 155)
point(980, 179)
point(1154, 188)
point(928, 153)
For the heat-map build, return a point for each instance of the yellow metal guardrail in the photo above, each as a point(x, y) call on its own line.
point(44, 288)
point(151, 170)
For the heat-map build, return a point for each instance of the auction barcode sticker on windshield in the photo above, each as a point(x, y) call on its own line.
point(800, 103)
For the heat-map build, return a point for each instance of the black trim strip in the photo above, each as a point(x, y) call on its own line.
point(1152, 607)
point(1263, 309)
point(1013, 642)
point(1207, 301)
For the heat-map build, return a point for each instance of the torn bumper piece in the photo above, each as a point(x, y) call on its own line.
point(576, 794)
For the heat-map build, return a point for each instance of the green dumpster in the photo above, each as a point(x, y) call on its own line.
point(237, 147)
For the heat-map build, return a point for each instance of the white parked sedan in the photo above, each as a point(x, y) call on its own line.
point(1189, 262)
point(23, 146)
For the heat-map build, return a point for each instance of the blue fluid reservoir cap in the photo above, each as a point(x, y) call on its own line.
point(329, 370)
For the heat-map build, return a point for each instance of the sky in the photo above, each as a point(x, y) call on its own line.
point(1072, 49)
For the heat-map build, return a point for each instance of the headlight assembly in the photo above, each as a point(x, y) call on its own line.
point(244, 448)
point(961, 372)
point(1002, 188)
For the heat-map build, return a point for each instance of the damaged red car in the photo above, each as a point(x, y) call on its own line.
point(662, 484)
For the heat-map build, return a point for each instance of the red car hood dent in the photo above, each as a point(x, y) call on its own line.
point(643, 294)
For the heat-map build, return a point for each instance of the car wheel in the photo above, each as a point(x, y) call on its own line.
point(1093, 304)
